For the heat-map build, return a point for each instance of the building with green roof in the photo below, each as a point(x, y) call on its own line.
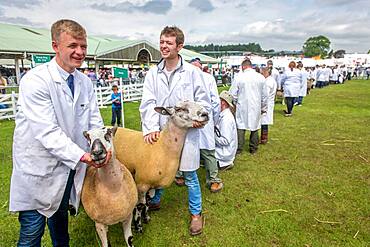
point(21, 42)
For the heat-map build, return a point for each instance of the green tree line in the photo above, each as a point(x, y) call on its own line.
point(251, 47)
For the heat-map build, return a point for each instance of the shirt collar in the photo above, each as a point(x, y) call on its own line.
point(162, 63)
point(64, 74)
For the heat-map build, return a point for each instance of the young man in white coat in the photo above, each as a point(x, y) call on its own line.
point(171, 81)
point(248, 90)
point(56, 104)
point(207, 134)
point(226, 133)
point(268, 117)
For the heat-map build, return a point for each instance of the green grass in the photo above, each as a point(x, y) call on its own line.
point(316, 165)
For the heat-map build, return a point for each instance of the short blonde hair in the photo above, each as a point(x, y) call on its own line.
point(174, 32)
point(68, 26)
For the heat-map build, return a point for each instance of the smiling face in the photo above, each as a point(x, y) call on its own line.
point(70, 51)
point(168, 47)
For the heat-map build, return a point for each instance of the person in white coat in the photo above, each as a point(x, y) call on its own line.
point(275, 74)
point(303, 89)
point(207, 136)
point(268, 117)
point(291, 82)
point(248, 90)
point(226, 133)
point(171, 81)
point(56, 104)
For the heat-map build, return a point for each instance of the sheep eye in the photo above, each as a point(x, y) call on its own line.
point(107, 137)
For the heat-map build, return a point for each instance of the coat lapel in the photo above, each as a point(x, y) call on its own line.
point(56, 77)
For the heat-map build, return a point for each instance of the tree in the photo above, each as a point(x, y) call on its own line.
point(339, 53)
point(316, 46)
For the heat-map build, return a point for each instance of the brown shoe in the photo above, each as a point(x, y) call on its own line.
point(180, 181)
point(196, 225)
point(216, 187)
point(154, 206)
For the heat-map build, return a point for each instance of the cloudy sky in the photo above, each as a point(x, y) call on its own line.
point(279, 25)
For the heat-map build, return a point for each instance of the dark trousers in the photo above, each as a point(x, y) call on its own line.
point(33, 223)
point(253, 140)
point(289, 104)
point(116, 115)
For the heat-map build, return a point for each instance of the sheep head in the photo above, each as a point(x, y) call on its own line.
point(185, 113)
point(100, 141)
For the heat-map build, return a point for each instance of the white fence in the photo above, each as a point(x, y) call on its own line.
point(8, 102)
point(131, 92)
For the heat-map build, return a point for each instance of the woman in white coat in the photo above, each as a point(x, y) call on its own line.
point(56, 104)
point(268, 117)
point(291, 81)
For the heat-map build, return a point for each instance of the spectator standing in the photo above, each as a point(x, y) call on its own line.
point(251, 101)
point(116, 106)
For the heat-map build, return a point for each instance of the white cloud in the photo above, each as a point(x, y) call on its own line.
point(280, 25)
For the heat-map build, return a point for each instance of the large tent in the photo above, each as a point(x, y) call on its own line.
point(21, 42)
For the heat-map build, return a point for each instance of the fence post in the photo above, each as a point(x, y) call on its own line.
point(14, 104)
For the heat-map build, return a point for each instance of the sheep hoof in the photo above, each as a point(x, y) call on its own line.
point(130, 240)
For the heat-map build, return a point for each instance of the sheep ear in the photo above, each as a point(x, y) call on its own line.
point(114, 129)
point(164, 110)
point(86, 135)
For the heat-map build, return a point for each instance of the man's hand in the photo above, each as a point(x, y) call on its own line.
point(198, 125)
point(151, 137)
point(86, 158)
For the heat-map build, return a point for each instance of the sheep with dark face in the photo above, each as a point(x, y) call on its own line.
point(109, 193)
point(155, 165)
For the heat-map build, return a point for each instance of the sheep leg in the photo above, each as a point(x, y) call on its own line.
point(138, 212)
point(102, 231)
point(126, 225)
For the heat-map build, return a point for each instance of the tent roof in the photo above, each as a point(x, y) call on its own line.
point(15, 39)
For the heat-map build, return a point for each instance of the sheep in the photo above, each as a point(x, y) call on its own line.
point(155, 165)
point(109, 193)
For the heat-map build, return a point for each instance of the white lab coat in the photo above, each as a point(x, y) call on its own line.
point(248, 89)
point(291, 82)
point(276, 75)
point(227, 140)
point(48, 138)
point(303, 89)
point(207, 136)
point(186, 84)
point(268, 117)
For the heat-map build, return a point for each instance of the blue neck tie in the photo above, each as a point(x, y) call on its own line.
point(70, 84)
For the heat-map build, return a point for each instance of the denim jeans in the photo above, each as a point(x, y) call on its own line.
point(33, 223)
point(194, 193)
point(116, 114)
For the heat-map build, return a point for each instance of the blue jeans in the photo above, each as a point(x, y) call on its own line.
point(194, 193)
point(116, 115)
point(33, 223)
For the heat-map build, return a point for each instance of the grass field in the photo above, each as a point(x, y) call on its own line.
point(309, 186)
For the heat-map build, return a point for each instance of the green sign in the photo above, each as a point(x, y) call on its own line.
point(41, 58)
point(120, 72)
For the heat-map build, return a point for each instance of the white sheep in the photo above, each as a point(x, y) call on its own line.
point(109, 193)
point(155, 165)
